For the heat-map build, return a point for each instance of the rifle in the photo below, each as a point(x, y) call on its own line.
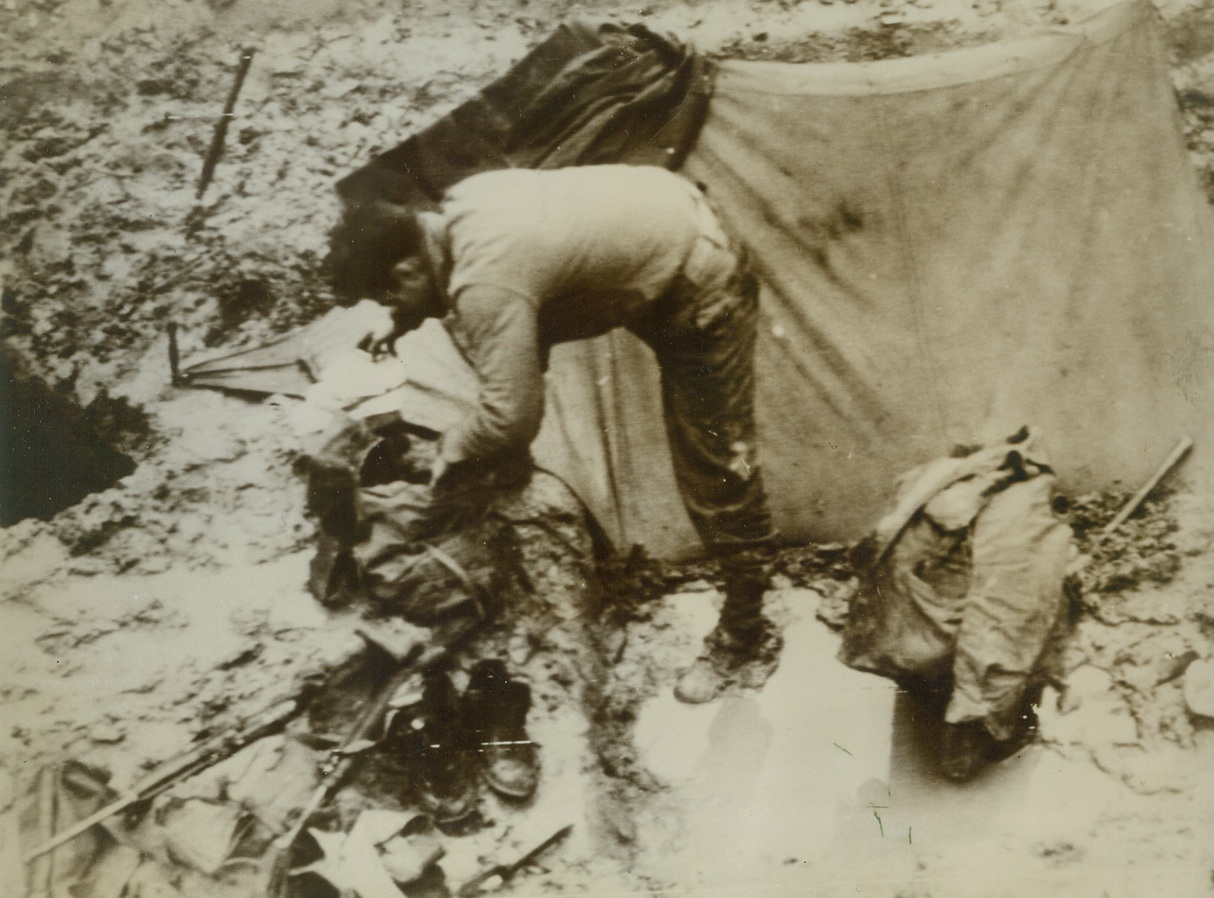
point(186, 765)
point(267, 722)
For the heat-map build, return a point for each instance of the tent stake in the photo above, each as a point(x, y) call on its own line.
point(1181, 450)
point(221, 126)
point(174, 356)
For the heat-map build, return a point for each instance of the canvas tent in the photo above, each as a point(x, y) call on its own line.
point(950, 246)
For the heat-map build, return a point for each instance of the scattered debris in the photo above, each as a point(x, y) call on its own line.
point(369, 720)
point(356, 861)
point(504, 873)
point(1141, 551)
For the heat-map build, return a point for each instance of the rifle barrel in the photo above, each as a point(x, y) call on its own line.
point(196, 761)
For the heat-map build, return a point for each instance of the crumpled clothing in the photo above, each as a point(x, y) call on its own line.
point(425, 554)
point(963, 581)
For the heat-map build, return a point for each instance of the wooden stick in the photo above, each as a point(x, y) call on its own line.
point(221, 126)
point(1177, 454)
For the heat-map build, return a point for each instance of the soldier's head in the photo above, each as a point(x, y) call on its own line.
point(376, 252)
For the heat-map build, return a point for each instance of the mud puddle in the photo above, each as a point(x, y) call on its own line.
point(823, 783)
point(778, 783)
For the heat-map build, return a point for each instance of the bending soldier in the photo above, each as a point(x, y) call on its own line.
point(522, 260)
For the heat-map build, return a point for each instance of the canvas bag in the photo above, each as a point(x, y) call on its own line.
point(384, 537)
point(962, 581)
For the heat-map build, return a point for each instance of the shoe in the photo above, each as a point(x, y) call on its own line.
point(496, 709)
point(716, 668)
point(965, 750)
point(702, 682)
point(441, 756)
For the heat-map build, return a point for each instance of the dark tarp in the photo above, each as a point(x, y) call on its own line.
point(588, 94)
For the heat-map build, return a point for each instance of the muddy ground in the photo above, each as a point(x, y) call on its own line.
point(165, 607)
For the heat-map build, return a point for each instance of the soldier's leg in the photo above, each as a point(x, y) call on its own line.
point(747, 574)
point(707, 358)
point(705, 346)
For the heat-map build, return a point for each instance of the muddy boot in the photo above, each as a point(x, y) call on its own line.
point(716, 668)
point(496, 708)
point(443, 761)
point(741, 634)
point(965, 750)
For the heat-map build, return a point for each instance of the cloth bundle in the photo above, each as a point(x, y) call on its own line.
point(385, 537)
point(962, 582)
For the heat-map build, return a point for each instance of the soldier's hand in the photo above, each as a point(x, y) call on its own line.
point(374, 326)
point(437, 471)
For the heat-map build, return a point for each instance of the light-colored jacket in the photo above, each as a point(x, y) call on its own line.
point(527, 259)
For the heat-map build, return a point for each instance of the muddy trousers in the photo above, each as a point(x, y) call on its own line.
point(704, 340)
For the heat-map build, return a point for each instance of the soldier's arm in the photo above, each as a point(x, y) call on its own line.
point(499, 333)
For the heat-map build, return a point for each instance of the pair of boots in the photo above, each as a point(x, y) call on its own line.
point(741, 635)
point(452, 740)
